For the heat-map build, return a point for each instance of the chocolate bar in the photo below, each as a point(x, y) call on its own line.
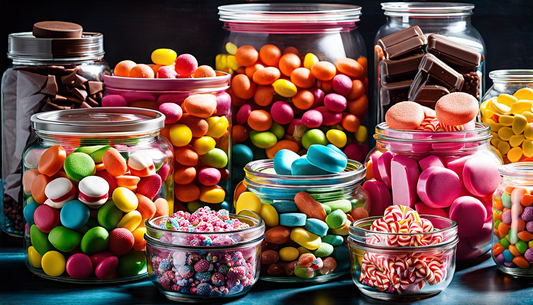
point(393, 93)
point(398, 70)
point(456, 55)
point(430, 94)
point(404, 43)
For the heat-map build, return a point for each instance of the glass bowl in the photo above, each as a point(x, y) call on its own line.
point(184, 269)
point(382, 269)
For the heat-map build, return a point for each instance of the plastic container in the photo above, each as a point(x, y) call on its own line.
point(410, 158)
point(505, 108)
point(448, 19)
point(512, 223)
point(279, 192)
point(200, 143)
point(235, 264)
point(329, 31)
point(419, 271)
point(90, 179)
point(46, 74)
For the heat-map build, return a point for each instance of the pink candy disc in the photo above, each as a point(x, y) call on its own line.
point(79, 266)
point(46, 218)
point(470, 215)
point(438, 187)
point(106, 267)
point(423, 209)
point(404, 177)
point(384, 168)
point(480, 175)
point(150, 186)
point(430, 161)
point(379, 195)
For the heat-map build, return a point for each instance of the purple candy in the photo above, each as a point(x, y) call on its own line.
point(500, 259)
point(335, 102)
point(282, 113)
point(342, 84)
point(529, 255)
point(529, 226)
point(201, 266)
point(223, 103)
point(527, 214)
point(312, 119)
point(509, 265)
point(506, 217)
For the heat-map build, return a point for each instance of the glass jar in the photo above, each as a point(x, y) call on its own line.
point(437, 173)
point(91, 178)
point(201, 142)
point(505, 108)
point(46, 74)
point(335, 192)
point(512, 218)
point(452, 21)
point(318, 32)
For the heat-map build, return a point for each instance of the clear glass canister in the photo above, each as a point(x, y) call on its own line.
point(46, 74)
point(315, 200)
point(279, 99)
point(449, 174)
point(91, 178)
point(506, 108)
point(424, 51)
point(201, 140)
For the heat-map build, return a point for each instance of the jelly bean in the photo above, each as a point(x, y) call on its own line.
point(270, 54)
point(53, 263)
point(316, 226)
point(292, 219)
point(284, 88)
point(310, 60)
point(164, 57)
point(34, 257)
point(123, 68)
point(212, 194)
point(514, 154)
point(130, 220)
point(95, 240)
point(349, 67)
point(277, 235)
point(203, 145)
point(336, 219)
point(337, 137)
point(180, 135)
point(269, 257)
point(269, 215)
point(215, 158)
point(266, 76)
point(305, 238)
point(64, 239)
point(324, 70)
point(324, 250)
point(288, 254)
point(288, 63)
point(265, 139)
point(361, 134)
point(217, 126)
point(303, 78)
point(259, 120)
point(125, 199)
point(280, 145)
point(313, 136)
point(246, 55)
point(245, 89)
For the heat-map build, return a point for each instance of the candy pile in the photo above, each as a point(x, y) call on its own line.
point(510, 118)
point(213, 274)
point(84, 209)
point(403, 273)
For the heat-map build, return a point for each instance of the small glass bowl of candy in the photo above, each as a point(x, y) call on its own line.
point(204, 266)
point(403, 266)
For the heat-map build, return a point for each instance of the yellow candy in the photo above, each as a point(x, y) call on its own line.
point(484, 104)
point(248, 201)
point(204, 144)
point(496, 151)
point(218, 125)
point(138, 236)
point(361, 134)
point(212, 195)
point(285, 88)
point(487, 114)
point(180, 135)
point(506, 99)
point(309, 60)
point(289, 254)
point(500, 108)
point(305, 238)
point(344, 230)
point(506, 120)
point(130, 221)
point(524, 94)
point(516, 140)
point(519, 124)
point(528, 132)
point(165, 57)
point(34, 257)
point(514, 154)
point(528, 115)
point(303, 250)
point(494, 126)
point(221, 62)
point(494, 141)
point(503, 147)
point(359, 254)
point(521, 106)
point(124, 199)
point(337, 137)
point(53, 263)
point(527, 148)
point(231, 48)
point(269, 215)
point(505, 133)
point(232, 63)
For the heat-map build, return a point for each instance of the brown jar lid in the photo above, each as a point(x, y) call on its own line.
point(57, 29)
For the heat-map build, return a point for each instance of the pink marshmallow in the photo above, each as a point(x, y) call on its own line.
point(375, 170)
point(430, 161)
point(404, 177)
point(457, 165)
point(480, 175)
point(384, 168)
point(422, 209)
point(438, 187)
point(470, 215)
point(379, 196)
point(282, 113)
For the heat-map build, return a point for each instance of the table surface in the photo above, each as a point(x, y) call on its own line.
point(477, 283)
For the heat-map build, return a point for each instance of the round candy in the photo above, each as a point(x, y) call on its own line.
point(215, 158)
point(114, 162)
point(165, 57)
point(46, 218)
point(38, 186)
point(52, 160)
point(120, 241)
point(150, 186)
point(93, 191)
point(95, 240)
point(242, 154)
point(438, 187)
point(59, 191)
point(131, 220)
point(29, 211)
point(481, 175)
point(34, 257)
point(209, 176)
point(470, 215)
point(106, 267)
point(109, 215)
point(180, 135)
point(53, 263)
point(64, 239)
point(132, 264)
point(200, 105)
point(79, 266)
point(125, 199)
point(288, 254)
point(283, 161)
point(74, 214)
point(314, 136)
point(405, 115)
point(78, 166)
point(456, 108)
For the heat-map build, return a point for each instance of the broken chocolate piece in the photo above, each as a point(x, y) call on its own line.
point(95, 87)
point(430, 94)
point(454, 54)
point(92, 102)
point(80, 94)
point(60, 98)
point(75, 100)
point(85, 105)
point(393, 93)
point(404, 43)
point(51, 86)
point(59, 107)
point(69, 79)
point(398, 70)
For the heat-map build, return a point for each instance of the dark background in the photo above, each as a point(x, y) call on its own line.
point(133, 29)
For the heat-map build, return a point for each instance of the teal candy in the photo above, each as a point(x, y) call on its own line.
point(324, 250)
point(506, 200)
point(326, 158)
point(283, 161)
point(326, 208)
point(29, 210)
point(225, 206)
point(79, 165)
point(340, 253)
point(39, 240)
point(278, 130)
point(301, 166)
point(336, 219)
point(132, 264)
point(336, 149)
point(64, 239)
point(285, 206)
point(334, 240)
point(263, 139)
point(216, 158)
point(109, 216)
point(316, 226)
point(292, 219)
point(94, 241)
point(242, 154)
point(341, 204)
point(74, 214)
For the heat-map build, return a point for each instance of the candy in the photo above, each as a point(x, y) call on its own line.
point(405, 115)
point(326, 158)
point(438, 187)
point(58, 192)
point(114, 162)
point(46, 218)
point(53, 263)
point(469, 213)
point(34, 257)
point(478, 175)
point(456, 108)
point(309, 206)
point(52, 160)
point(94, 240)
point(305, 238)
point(120, 241)
point(292, 219)
point(64, 239)
point(93, 191)
point(125, 199)
point(336, 219)
point(404, 176)
point(277, 235)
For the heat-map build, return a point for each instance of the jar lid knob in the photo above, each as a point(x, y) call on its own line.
point(57, 29)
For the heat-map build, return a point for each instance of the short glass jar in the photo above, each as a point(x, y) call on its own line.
point(318, 32)
point(506, 109)
point(201, 142)
point(90, 178)
point(419, 271)
point(46, 74)
point(410, 158)
point(513, 220)
point(279, 191)
point(448, 19)
point(235, 261)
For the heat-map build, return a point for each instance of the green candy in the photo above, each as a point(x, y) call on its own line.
point(278, 130)
point(521, 246)
point(314, 136)
point(96, 152)
point(326, 208)
point(109, 215)
point(39, 240)
point(504, 242)
point(302, 272)
point(342, 204)
point(497, 223)
point(506, 200)
point(324, 250)
point(78, 166)
point(513, 236)
point(336, 219)
point(64, 239)
point(132, 264)
point(242, 154)
point(334, 240)
point(94, 241)
point(194, 205)
point(263, 139)
point(216, 158)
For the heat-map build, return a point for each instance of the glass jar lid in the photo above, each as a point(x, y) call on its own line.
point(517, 170)
point(87, 121)
point(172, 85)
point(434, 9)
point(512, 76)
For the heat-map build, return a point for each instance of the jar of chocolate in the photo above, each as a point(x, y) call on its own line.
point(424, 51)
point(57, 66)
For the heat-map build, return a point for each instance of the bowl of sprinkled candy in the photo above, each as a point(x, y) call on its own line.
point(402, 256)
point(204, 256)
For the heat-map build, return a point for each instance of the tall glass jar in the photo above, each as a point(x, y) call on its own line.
point(46, 74)
point(452, 21)
point(448, 174)
point(282, 112)
point(91, 178)
point(506, 109)
point(513, 220)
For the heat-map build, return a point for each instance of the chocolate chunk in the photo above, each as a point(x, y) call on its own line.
point(51, 86)
point(57, 29)
point(69, 79)
point(79, 81)
point(472, 84)
point(85, 105)
point(60, 98)
point(398, 70)
point(393, 93)
point(59, 107)
point(430, 94)
point(404, 43)
point(454, 54)
point(92, 102)
point(75, 100)
point(80, 94)
point(95, 87)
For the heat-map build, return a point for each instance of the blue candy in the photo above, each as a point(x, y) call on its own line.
point(74, 214)
point(283, 160)
point(508, 255)
point(29, 210)
point(285, 206)
point(292, 219)
point(335, 148)
point(301, 166)
point(326, 158)
point(316, 226)
point(242, 154)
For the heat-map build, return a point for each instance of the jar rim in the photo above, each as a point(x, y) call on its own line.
point(433, 9)
point(199, 85)
point(517, 170)
point(481, 132)
point(512, 75)
point(289, 13)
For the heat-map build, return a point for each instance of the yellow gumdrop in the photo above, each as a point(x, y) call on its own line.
point(180, 135)
point(506, 120)
point(303, 250)
point(524, 94)
point(505, 133)
point(361, 134)
point(506, 99)
point(213, 195)
point(516, 140)
point(494, 126)
point(487, 115)
point(521, 106)
point(218, 125)
point(269, 215)
point(528, 115)
point(130, 221)
point(289, 254)
point(337, 137)
point(124, 199)
point(305, 238)
point(221, 62)
point(285, 88)
point(503, 147)
point(500, 108)
point(231, 48)
point(519, 124)
point(165, 57)
point(494, 141)
point(248, 201)
point(232, 63)
point(528, 132)
point(204, 144)
point(34, 257)
point(309, 60)
point(527, 148)
point(53, 263)
point(514, 154)
point(344, 230)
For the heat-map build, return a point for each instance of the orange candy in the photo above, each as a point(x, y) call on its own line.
point(114, 162)
point(186, 155)
point(527, 200)
point(146, 206)
point(240, 133)
point(142, 71)
point(260, 120)
point(184, 174)
point(52, 160)
point(204, 71)
point(263, 95)
point(497, 204)
point(242, 86)
point(198, 126)
point(270, 55)
point(283, 144)
point(246, 55)
point(239, 189)
point(363, 61)
point(250, 70)
point(288, 63)
point(161, 207)
point(291, 50)
point(138, 239)
point(503, 228)
point(358, 90)
point(27, 180)
point(303, 99)
point(350, 122)
point(359, 106)
point(324, 70)
point(123, 68)
point(128, 181)
point(303, 78)
point(187, 193)
point(359, 213)
point(521, 262)
point(266, 76)
point(497, 249)
point(349, 67)
point(38, 186)
point(525, 236)
point(514, 251)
